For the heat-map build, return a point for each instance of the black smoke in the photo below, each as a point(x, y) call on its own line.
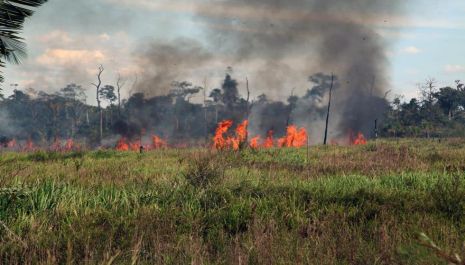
point(286, 41)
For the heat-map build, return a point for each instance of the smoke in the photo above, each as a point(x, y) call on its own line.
point(279, 44)
point(166, 62)
point(331, 36)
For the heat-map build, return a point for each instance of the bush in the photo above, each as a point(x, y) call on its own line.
point(204, 170)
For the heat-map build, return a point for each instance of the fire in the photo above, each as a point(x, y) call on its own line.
point(157, 142)
point(255, 142)
point(295, 137)
point(219, 141)
point(360, 140)
point(135, 146)
point(125, 145)
point(122, 145)
point(269, 141)
point(241, 131)
point(69, 146)
point(11, 144)
point(29, 145)
point(56, 145)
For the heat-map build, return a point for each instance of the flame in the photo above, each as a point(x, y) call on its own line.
point(295, 137)
point(269, 141)
point(56, 145)
point(219, 141)
point(29, 145)
point(135, 146)
point(255, 142)
point(11, 144)
point(122, 145)
point(69, 146)
point(360, 140)
point(157, 142)
point(241, 131)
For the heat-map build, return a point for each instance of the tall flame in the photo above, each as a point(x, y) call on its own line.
point(360, 140)
point(122, 145)
point(295, 137)
point(255, 142)
point(157, 142)
point(69, 146)
point(269, 141)
point(219, 141)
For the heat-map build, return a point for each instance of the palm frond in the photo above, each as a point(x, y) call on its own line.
point(13, 13)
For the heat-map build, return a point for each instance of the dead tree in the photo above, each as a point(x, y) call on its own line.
point(99, 105)
point(120, 83)
point(205, 111)
point(291, 108)
point(329, 109)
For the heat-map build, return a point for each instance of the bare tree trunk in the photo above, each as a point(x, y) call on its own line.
point(247, 114)
point(329, 109)
point(205, 111)
point(119, 84)
point(97, 86)
point(101, 125)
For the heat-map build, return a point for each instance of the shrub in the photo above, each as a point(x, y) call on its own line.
point(204, 170)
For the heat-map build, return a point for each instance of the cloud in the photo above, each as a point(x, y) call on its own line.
point(454, 68)
point(63, 57)
point(57, 57)
point(411, 50)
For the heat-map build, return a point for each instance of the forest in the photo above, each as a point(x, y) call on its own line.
point(43, 117)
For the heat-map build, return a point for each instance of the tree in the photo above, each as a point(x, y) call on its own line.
point(184, 90)
point(1, 93)
point(108, 93)
point(74, 98)
point(449, 100)
point(230, 93)
point(13, 13)
point(120, 83)
point(97, 87)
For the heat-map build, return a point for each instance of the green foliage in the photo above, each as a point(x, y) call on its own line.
point(346, 205)
point(203, 171)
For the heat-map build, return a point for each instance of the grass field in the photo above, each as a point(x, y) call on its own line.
point(336, 205)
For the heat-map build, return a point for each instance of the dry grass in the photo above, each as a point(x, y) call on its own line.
point(341, 205)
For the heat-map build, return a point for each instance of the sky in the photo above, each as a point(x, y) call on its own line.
point(67, 41)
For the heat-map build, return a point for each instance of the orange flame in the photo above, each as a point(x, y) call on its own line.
point(219, 141)
point(295, 137)
point(157, 142)
point(360, 140)
point(122, 145)
point(269, 141)
point(69, 146)
point(241, 131)
point(255, 142)
point(135, 146)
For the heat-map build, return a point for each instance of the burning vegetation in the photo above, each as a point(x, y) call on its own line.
point(295, 137)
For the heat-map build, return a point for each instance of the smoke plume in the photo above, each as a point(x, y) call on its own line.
point(283, 42)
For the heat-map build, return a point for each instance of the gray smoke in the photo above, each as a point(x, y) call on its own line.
point(286, 41)
point(336, 36)
point(166, 62)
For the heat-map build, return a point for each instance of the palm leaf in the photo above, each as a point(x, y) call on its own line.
point(13, 13)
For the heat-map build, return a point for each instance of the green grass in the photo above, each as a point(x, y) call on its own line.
point(339, 205)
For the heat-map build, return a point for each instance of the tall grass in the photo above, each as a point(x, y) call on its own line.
point(360, 205)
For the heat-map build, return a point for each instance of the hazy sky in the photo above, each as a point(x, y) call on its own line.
point(68, 39)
